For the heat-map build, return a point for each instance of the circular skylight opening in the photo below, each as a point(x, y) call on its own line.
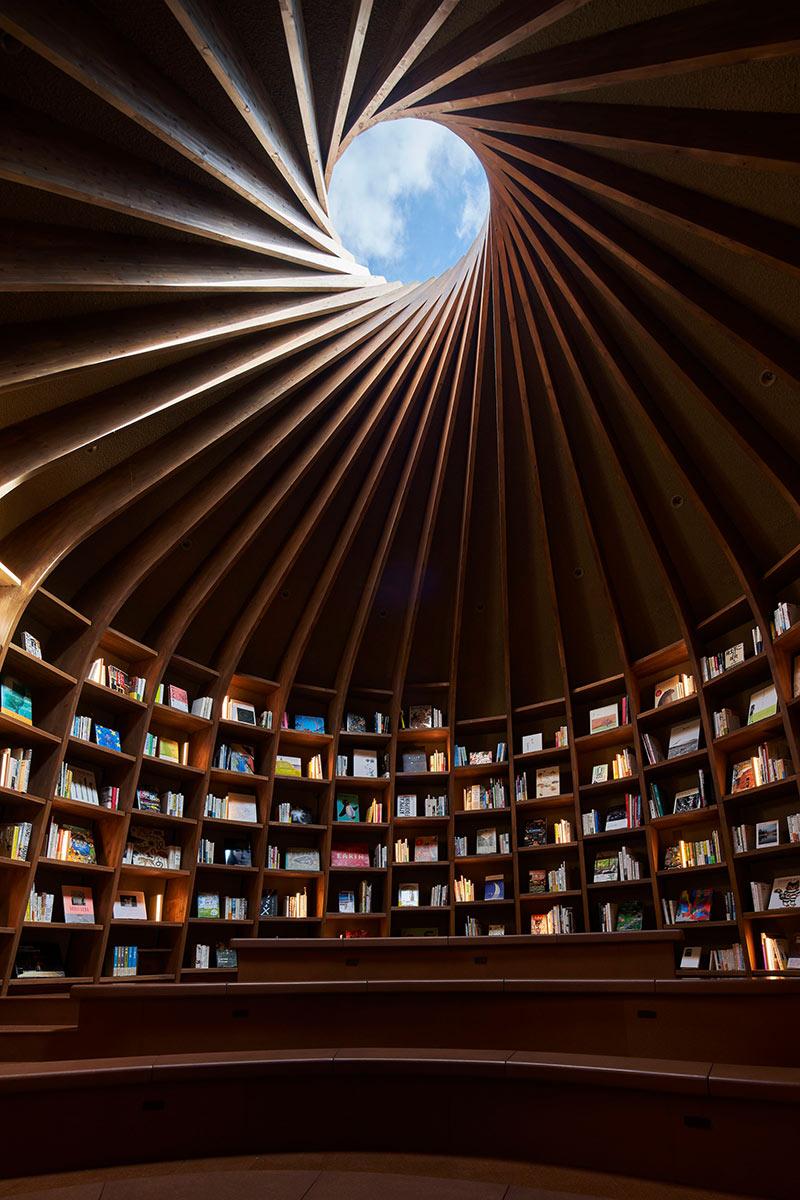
point(408, 199)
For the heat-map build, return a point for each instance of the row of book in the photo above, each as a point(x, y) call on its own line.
point(695, 905)
point(615, 868)
point(783, 892)
point(169, 749)
point(70, 843)
point(713, 665)
point(422, 716)
point(15, 767)
point(682, 739)
point(352, 900)
point(783, 618)
point(626, 917)
point(705, 852)
point(769, 764)
point(480, 758)
point(685, 800)
point(224, 957)
point(555, 880)
point(621, 816)
point(765, 835)
point(232, 807)
point(168, 803)
point(15, 838)
point(480, 796)
point(356, 723)
point(132, 686)
point(212, 907)
point(125, 960)
point(558, 919)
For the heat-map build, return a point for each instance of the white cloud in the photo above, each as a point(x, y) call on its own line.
point(389, 166)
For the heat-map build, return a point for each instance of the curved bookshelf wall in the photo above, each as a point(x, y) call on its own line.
point(237, 464)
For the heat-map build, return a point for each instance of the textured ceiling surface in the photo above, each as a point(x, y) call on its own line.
point(221, 435)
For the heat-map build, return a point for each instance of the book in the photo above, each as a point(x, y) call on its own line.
point(785, 892)
point(109, 738)
point(365, 764)
point(130, 906)
point(684, 739)
point(426, 849)
point(694, 905)
point(289, 765)
point(408, 895)
point(355, 723)
point(763, 704)
point(302, 858)
point(548, 781)
point(310, 724)
point(534, 832)
point(238, 853)
point(420, 716)
point(415, 762)
point(31, 645)
point(677, 687)
point(347, 901)
point(603, 718)
point(208, 905)
point(494, 887)
point(169, 749)
point(486, 841)
point(531, 742)
point(78, 905)
point(80, 845)
point(178, 697)
point(691, 958)
point(347, 808)
point(240, 807)
point(630, 916)
point(349, 854)
point(16, 700)
point(606, 869)
point(241, 711)
point(406, 805)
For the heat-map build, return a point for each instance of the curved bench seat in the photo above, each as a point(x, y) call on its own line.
point(779, 1084)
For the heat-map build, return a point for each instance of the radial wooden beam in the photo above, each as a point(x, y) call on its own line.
point(44, 437)
point(35, 352)
point(359, 21)
point(738, 229)
point(761, 338)
point(82, 46)
point(206, 27)
point(711, 35)
point(39, 154)
point(763, 141)
point(70, 260)
point(503, 28)
point(396, 357)
point(673, 352)
point(422, 25)
point(295, 32)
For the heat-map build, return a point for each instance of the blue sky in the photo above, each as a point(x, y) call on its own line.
point(407, 199)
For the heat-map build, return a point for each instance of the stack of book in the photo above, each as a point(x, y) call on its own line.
point(40, 907)
point(15, 767)
point(464, 889)
point(770, 763)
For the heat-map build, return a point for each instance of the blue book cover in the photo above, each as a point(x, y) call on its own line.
point(107, 737)
point(310, 724)
point(15, 701)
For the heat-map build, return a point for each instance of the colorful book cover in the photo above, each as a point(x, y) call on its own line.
point(630, 916)
point(695, 905)
point(169, 749)
point(208, 905)
point(16, 701)
point(242, 759)
point(107, 737)
point(310, 724)
point(347, 808)
point(81, 844)
point(288, 764)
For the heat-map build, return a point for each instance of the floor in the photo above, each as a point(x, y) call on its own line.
point(345, 1177)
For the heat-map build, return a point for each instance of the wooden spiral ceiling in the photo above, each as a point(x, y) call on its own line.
point(225, 438)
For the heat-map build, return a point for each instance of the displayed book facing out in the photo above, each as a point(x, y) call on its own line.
point(16, 700)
